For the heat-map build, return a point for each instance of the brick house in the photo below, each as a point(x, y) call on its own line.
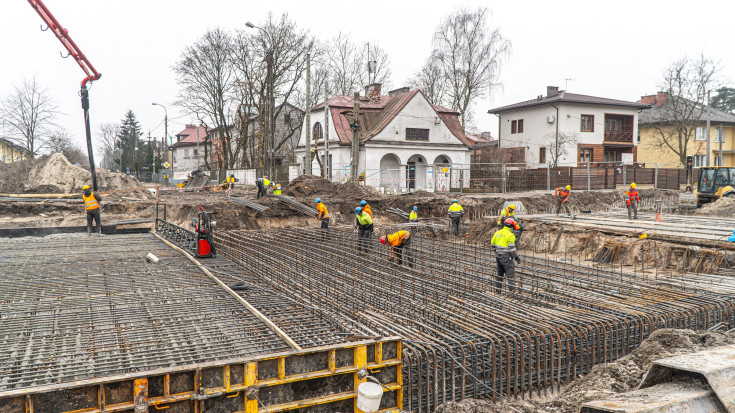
point(581, 129)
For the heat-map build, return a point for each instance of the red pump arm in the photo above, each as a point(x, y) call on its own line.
point(63, 35)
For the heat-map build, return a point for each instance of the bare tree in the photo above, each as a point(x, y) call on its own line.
point(346, 64)
point(381, 73)
point(469, 54)
point(431, 81)
point(281, 46)
point(61, 141)
point(30, 111)
point(106, 139)
point(559, 145)
point(206, 73)
point(674, 123)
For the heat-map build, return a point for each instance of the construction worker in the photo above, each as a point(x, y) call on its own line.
point(414, 216)
point(562, 195)
point(262, 183)
point(276, 189)
point(323, 214)
point(92, 205)
point(364, 224)
point(632, 199)
point(365, 207)
point(230, 183)
point(504, 245)
point(399, 242)
point(508, 212)
point(455, 215)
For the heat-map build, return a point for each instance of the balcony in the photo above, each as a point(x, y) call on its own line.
point(619, 136)
point(618, 130)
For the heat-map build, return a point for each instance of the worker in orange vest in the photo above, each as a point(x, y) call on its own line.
point(632, 199)
point(366, 208)
point(92, 205)
point(399, 242)
point(562, 195)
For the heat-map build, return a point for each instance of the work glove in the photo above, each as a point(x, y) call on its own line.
point(518, 260)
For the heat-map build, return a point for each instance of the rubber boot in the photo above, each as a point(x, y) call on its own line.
point(99, 230)
point(89, 231)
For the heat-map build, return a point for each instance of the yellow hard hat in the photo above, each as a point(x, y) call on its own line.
point(85, 187)
point(512, 206)
point(569, 187)
point(632, 185)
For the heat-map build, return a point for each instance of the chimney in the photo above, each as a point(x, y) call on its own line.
point(648, 99)
point(552, 91)
point(373, 91)
point(661, 98)
point(398, 91)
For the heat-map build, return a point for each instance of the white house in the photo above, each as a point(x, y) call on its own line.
point(569, 129)
point(188, 156)
point(406, 143)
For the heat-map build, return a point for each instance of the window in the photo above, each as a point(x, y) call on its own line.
point(186, 153)
point(414, 134)
point(196, 153)
point(542, 155)
point(699, 134)
point(516, 126)
point(700, 160)
point(585, 155)
point(719, 134)
point(587, 123)
point(613, 156)
point(317, 131)
point(613, 125)
point(717, 161)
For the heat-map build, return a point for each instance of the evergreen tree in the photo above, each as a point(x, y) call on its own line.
point(127, 138)
point(724, 100)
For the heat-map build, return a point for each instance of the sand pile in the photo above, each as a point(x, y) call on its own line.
point(604, 380)
point(723, 207)
point(55, 174)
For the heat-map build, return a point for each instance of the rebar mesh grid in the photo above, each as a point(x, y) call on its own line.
point(76, 307)
point(461, 338)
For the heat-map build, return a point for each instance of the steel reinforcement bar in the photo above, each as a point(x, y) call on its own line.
point(462, 338)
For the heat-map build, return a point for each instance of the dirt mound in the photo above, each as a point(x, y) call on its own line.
point(55, 174)
point(604, 380)
point(723, 207)
point(306, 185)
point(198, 179)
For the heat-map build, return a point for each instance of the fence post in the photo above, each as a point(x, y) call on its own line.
point(655, 177)
point(589, 180)
point(624, 173)
point(503, 181)
point(548, 176)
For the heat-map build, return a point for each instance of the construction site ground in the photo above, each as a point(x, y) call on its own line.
point(684, 261)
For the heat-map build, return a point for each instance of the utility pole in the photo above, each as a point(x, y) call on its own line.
point(153, 154)
point(355, 125)
point(707, 134)
point(327, 166)
point(198, 127)
point(722, 138)
point(307, 158)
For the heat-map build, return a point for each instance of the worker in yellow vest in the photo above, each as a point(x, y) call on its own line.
point(414, 216)
point(504, 245)
point(262, 183)
point(455, 215)
point(92, 206)
point(277, 189)
point(506, 213)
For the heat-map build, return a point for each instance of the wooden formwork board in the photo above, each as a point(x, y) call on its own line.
point(314, 380)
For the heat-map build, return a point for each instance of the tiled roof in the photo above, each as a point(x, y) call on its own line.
point(566, 97)
point(375, 116)
point(663, 114)
point(189, 135)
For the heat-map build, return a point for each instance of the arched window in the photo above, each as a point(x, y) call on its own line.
point(317, 132)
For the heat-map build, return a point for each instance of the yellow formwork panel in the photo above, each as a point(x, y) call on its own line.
point(234, 384)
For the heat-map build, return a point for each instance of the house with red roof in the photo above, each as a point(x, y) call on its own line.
point(189, 150)
point(406, 143)
point(569, 129)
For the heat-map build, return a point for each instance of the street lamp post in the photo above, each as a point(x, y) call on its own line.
point(165, 136)
point(270, 102)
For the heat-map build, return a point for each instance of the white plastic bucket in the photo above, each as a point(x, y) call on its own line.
point(368, 396)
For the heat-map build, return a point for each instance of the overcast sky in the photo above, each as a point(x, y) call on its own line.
point(611, 49)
